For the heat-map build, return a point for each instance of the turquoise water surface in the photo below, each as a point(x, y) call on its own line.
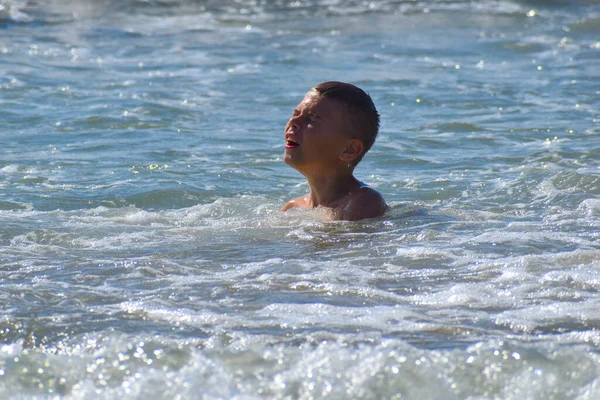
point(142, 253)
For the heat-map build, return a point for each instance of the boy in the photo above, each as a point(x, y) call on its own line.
point(328, 134)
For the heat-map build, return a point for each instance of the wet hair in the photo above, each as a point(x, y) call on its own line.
point(362, 115)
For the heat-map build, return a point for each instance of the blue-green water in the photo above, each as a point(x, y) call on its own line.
point(142, 254)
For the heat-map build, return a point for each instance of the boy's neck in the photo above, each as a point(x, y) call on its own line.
point(328, 189)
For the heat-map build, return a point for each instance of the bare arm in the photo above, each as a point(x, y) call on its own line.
point(297, 202)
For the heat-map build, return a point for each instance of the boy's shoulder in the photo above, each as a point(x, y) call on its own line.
point(366, 202)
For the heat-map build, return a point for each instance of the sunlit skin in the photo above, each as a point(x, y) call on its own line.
point(318, 144)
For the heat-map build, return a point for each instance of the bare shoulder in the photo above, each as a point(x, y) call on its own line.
point(364, 203)
point(298, 202)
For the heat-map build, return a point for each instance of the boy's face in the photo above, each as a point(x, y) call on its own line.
point(315, 134)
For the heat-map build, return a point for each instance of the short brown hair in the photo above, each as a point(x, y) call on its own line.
point(363, 116)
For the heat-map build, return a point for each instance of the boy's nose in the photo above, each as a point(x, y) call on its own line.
point(294, 123)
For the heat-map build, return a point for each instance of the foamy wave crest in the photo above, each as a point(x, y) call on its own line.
point(14, 11)
point(123, 366)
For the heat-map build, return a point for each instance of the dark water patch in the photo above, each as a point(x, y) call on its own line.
point(169, 199)
point(12, 206)
point(587, 25)
point(572, 182)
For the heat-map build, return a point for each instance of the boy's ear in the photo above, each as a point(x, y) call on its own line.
point(353, 149)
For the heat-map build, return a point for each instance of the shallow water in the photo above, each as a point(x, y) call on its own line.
point(142, 252)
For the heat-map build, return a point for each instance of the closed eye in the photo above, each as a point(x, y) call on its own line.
point(310, 118)
point(314, 116)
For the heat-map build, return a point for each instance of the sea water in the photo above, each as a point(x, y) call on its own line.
point(142, 253)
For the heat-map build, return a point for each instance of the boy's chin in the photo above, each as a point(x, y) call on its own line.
point(289, 159)
point(294, 162)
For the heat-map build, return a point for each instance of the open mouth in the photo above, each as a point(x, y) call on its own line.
point(290, 144)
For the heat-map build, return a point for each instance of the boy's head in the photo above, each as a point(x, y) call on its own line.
point(361, 117)
point(334, 118)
